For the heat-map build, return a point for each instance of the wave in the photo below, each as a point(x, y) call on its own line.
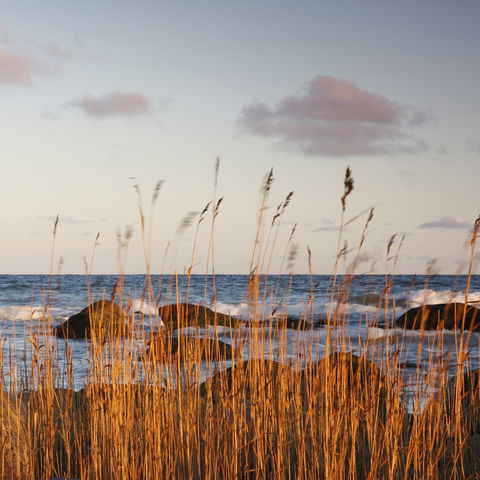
point(141, 306)
point(296, 310)
point(432, 297)
point(357, 306)
point(21, 312)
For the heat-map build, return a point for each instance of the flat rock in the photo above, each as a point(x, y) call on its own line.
point(163, 348)
point(185, 315)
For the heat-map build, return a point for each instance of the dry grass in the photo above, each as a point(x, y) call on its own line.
point(148, 416)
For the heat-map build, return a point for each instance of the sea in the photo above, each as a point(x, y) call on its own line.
point(368, 324)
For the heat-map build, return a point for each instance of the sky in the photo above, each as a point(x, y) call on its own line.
point(102, 100)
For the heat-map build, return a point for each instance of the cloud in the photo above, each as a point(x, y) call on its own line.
point(442, 151)
point(22, 57)
point(405, 173)
point(446, 223)
point(67, 220)
point(17, 69)
point(473, 146)
point(326, 225)
point(335, 118)
point(27, 43)
point(113, 104)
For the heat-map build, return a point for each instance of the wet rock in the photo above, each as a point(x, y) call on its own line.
point(185, 315)
point(440, 316)
point(103, 318)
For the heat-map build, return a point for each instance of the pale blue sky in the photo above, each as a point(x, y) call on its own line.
point(93, 93)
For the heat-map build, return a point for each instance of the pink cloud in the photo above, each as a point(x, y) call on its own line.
point(23, 57)
point(17, 69)
point(113, 104)
point(333, 117)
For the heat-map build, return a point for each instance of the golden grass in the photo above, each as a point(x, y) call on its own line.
point(147, 416)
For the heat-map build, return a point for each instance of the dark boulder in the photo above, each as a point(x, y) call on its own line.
point(440, 316)
point(103, 318)
point(186, 315)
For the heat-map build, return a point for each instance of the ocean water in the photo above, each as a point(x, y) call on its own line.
point(23, 299)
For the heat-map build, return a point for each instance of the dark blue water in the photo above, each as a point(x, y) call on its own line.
point(66, 294)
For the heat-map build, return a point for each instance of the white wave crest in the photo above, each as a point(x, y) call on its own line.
point(238, 310)
point(376, 333)
point(144, 307)
point(432, 297)
point(299, 310)
point(21, 312)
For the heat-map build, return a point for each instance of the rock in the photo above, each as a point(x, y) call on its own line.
point(469, 397)
point(163, 348)
point(339, 391)
point(15, 442)
point(347, 390)
point(460, 461)
point(351, 374)
point(440, 316)
point(101, 395)
point(185, 315)
point(244, 375)
point(347, 369)
point(299, 323)
point(352, 380)
point(104, 318)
